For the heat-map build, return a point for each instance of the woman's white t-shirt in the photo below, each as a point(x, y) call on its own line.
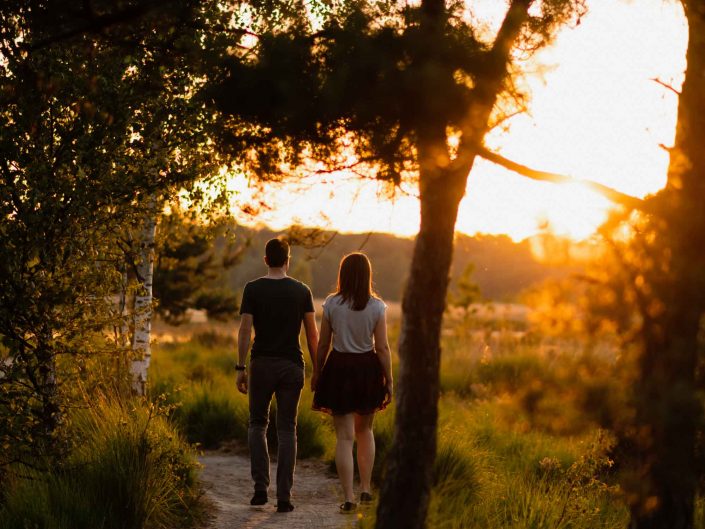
point(353, 330)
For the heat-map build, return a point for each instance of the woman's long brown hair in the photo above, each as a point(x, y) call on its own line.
point(355, 280)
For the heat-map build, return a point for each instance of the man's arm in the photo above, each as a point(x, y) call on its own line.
point(244, 335)
point(311, 336)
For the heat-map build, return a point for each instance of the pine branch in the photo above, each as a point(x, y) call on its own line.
point(610, 193)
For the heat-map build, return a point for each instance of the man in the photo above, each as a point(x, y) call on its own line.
point(276, 305)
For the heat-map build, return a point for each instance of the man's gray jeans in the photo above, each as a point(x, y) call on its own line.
point(284, 379)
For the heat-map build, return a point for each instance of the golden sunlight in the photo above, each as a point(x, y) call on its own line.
point(597, 113)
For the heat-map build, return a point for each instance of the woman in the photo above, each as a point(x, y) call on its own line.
point(356, 379)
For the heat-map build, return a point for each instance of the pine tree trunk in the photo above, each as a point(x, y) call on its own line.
point(406, 489)
point(141, 338)
point(668, 407)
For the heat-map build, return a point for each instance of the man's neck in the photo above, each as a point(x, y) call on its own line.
point(276, 273)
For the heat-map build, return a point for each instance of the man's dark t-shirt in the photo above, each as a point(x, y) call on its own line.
point(277, 307)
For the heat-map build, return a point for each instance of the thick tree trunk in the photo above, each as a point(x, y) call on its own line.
point(406, 490)
point(405, 493)
point(668, 408)
point(141, 338)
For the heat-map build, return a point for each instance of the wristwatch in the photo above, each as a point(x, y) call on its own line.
point(238, 367)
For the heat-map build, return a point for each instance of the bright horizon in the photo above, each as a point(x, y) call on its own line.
point(594, 114)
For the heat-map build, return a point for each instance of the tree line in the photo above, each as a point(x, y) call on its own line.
point(503, 268)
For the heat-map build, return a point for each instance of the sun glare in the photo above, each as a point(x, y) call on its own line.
point(596, 113)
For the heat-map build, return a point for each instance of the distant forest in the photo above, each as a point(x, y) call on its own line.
point(503, 268)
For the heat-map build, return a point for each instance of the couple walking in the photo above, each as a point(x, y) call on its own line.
point(351, 382)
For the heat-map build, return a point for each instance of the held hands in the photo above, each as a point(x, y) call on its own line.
point(241, 382)
point(389, 389)
point(314, 380)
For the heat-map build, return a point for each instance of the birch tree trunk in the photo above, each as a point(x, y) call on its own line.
point(45, 381)
point(142, 317)
point(122, 333)
point(668, 408)
point(406, 489)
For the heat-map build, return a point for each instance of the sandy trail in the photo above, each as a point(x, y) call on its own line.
point(226, 477)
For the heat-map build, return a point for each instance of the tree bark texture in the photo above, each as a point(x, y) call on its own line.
point(45, 381)
point(141, 339)
point(405, 493)
point(668, 407)
point(406, 489)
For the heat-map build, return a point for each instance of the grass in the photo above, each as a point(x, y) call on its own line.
point(515, 449)
point(487, 474)
point(131, 470)
point(198, 379)
point(530, 479)
point(209, 415)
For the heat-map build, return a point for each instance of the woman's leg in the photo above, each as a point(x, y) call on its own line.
point(365, 449)
point(345, 436)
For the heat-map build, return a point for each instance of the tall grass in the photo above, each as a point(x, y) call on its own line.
point(130, 470)
point(494, 468)
point(515, 448)
point(198, 379)
point(208, 414)
point(487, 474)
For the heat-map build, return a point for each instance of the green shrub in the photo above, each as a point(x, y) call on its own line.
point(512, 372)
point(213, 339)
point(455, 463)
point(130, 470)
point(209, 416)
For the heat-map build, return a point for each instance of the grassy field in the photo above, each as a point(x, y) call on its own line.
point(130, 469)
point(515, 448)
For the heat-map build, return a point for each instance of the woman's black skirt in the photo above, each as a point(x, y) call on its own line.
point(351, 383)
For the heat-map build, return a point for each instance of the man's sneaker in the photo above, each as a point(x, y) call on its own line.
point(260, 498)
point(284, 506)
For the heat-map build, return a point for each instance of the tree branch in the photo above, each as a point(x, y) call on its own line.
point(666, 85)
point(96, 24)
point(488, 88)
point(612, 194)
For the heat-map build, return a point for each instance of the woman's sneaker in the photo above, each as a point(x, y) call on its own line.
point(348, 507)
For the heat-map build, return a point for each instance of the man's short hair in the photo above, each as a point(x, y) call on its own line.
point(276, 252)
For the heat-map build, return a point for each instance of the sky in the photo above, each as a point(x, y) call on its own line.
point(595, 113)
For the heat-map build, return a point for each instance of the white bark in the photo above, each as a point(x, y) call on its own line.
point(5, 366)
point(141, 338)
point(122, 329)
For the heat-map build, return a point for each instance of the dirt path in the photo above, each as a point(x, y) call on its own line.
point(229, 488)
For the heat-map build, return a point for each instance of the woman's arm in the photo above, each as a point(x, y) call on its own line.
point(324, 340)
point(384, 353)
